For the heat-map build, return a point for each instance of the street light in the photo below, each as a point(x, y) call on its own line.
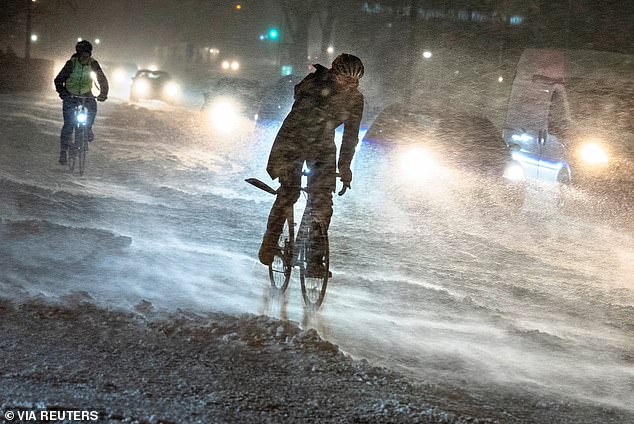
point(33, 37)
point(427, 54)
point(97, 41)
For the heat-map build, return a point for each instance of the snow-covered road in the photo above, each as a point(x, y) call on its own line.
point(541, 302)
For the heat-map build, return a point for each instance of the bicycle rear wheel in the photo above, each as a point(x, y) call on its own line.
point(314, 263)
point(282, 265)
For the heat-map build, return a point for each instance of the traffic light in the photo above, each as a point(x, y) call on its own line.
point(273, 34)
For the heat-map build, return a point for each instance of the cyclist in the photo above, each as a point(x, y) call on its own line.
point(75, 79)
point(324, 100)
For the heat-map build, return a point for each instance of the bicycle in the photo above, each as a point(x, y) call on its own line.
point(78, 148)
point(309, 251)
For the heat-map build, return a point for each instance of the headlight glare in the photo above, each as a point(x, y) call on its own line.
point(171, 89)
point(224, 115)
point(141, 88)
point(514, 172)
point(418, 163)
point(593, 154)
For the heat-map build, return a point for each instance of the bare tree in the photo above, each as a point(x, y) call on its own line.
point(327, 18)
point(297, 16)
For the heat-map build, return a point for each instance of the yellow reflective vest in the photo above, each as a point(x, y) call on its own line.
point(76, 78)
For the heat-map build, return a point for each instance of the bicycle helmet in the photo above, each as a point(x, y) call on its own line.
point(83, 46)
point(348, 65)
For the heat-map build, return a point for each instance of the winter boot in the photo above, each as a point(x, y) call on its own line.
point(268, 249)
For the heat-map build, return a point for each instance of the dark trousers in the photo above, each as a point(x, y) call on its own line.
point(322, 179)
point(68, 110)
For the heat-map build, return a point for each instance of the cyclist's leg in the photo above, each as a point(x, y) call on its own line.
point(68, 106)
point(321, 184)
point(288, 194)
point(322, 181)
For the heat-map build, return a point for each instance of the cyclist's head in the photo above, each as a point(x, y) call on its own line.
point(348, 66)
point(83, 46)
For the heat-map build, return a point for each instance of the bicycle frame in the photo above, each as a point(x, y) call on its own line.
point(77, 150)
point(300, 243)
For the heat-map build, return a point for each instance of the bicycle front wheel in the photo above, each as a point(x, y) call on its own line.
point(282, 265)
point(314, 263)
point(72, 154)
point(80, 142)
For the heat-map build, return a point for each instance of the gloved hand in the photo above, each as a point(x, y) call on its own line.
point(102, 98)
point(64, 94)
point(345, 174)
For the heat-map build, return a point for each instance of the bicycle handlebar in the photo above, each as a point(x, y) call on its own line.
point(263, 186)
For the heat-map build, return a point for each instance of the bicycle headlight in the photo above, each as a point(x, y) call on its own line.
point(593, 154)
point(82, 117)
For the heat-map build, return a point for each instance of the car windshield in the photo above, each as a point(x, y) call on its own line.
point(601, 92)
point(245, 90)
point(398, 124)
point(153, 75)
point(278, 97)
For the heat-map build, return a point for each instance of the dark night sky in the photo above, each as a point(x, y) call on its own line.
point(132, 28)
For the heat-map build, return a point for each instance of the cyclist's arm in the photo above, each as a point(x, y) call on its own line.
point(101, 79)
point(351, 132)
point(62, 76)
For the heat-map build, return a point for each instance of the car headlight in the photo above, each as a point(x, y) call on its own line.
point(593, 154)
point(120, 75)
point(418, 163)
point(141, 88)
point(514, 172)
point(171, 89)
point(224, 115)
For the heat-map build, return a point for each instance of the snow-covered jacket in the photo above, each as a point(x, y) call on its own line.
point(75, 79)
point(308, 131)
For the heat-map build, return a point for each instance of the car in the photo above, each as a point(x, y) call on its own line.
point(569, 122)
point(277, 101)
point(120, 76)
point(447, 154)
point(231, 104)
point(155, 85)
